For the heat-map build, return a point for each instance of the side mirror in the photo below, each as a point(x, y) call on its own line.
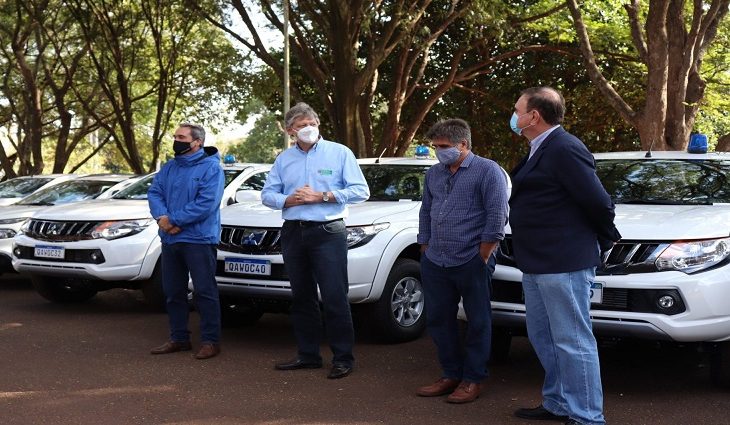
point(248, 195)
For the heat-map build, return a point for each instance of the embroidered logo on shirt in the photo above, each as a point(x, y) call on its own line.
point(324, 172)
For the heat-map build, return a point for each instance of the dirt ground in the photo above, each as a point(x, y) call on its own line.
point(90, 364)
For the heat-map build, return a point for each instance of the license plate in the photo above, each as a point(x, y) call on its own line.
point(45, 251)
point(596, 293)
point(247, 266)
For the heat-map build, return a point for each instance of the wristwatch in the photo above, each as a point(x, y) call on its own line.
point(325, 197)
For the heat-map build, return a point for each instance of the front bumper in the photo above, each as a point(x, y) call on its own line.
point(124, 258)
point(705, 317)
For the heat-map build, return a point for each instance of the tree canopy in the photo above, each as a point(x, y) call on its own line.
point(84, 78)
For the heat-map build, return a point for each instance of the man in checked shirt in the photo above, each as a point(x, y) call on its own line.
point(461, 222)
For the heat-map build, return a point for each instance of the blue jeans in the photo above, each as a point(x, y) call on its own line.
point(559, 328)
point(180, 260)
point(316, 255)
point(443, 287)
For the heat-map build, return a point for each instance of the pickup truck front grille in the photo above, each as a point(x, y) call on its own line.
point(60, 231)
point(624, 258)
point(249, 240)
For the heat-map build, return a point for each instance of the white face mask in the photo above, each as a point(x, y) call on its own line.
point(308, 134)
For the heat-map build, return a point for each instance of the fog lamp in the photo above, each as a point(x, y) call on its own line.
point(666, 301)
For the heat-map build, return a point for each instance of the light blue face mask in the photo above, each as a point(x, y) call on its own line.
point(448, 156)
point(513, 124)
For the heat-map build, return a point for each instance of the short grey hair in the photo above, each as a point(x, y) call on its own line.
point(300, 110)
point(454, 130)
point(196, 131)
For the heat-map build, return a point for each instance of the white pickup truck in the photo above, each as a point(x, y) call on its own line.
point(668, 279)
point(383, 258)
point(73, 251)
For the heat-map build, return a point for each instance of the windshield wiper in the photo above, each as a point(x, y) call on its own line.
point(36, 203)
point(659, 202)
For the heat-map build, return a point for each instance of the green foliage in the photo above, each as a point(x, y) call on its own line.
point(263, 142)
point(713, 118)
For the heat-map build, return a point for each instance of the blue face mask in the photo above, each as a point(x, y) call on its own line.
point(513, 124)
point(448, 156)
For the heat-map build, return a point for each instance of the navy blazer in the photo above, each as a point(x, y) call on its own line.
point(559, 210)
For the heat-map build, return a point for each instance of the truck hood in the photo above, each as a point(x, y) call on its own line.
point(19, 211)
point(98, 210)
point(672, 222)
point(254, 214)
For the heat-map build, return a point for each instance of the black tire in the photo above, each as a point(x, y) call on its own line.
point(154, 295)
point(152, 289)
point(236, 314)
point(62, 289)
point(399, 316)
point(720, 364)
point(501, 343)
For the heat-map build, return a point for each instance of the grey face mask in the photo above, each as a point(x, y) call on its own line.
point(448, 156)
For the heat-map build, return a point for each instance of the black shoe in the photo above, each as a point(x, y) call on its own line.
point(339, 371)
point(573, 422)
point(539, 413)
point(295, 364)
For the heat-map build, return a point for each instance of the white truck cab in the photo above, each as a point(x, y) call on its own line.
point(73, 251)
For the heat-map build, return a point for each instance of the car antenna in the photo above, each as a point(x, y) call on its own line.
point(377, 161)
point(648, 153)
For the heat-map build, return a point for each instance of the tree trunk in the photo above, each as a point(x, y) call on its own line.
point(673, 57)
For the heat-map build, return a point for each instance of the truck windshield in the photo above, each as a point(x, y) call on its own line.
point(665, 181)
point(395, 182)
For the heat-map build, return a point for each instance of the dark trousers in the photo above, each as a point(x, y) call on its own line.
point(443, 287)
point(316, 254)
point(180, 260)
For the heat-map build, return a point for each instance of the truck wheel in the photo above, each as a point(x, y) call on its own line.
point(152, 289)
point(398, 315)
point(720, 364)
point(62, 289)
point(501, 342)
point(236, 314)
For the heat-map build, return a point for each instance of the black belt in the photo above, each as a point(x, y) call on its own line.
point(308, 223)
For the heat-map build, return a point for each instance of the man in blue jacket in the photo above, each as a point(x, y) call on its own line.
point(185, 199)
point(560, 214)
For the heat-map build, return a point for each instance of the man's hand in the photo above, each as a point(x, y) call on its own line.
point(308, 196)
point(166, 226)
point(486, 249)
point(303, 195)
point(424, 247)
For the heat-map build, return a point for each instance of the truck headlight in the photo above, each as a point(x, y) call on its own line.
point(690, 257)
point(118, 229)
point(360, 235)
point(13, 220)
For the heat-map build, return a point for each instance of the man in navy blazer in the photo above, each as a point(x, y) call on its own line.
point(561, 219)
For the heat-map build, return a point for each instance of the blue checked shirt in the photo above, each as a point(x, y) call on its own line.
point(462, 210)
point(327, 167)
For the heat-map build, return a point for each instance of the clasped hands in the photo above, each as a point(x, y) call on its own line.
point(304, 195)
point(166, 226)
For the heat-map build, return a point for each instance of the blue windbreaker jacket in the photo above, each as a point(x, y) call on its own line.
point(188, 189)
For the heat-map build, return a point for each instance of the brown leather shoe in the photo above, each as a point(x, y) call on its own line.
point(465, 393)
point(440, 387)
point(207, 351)
point(171, 347)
